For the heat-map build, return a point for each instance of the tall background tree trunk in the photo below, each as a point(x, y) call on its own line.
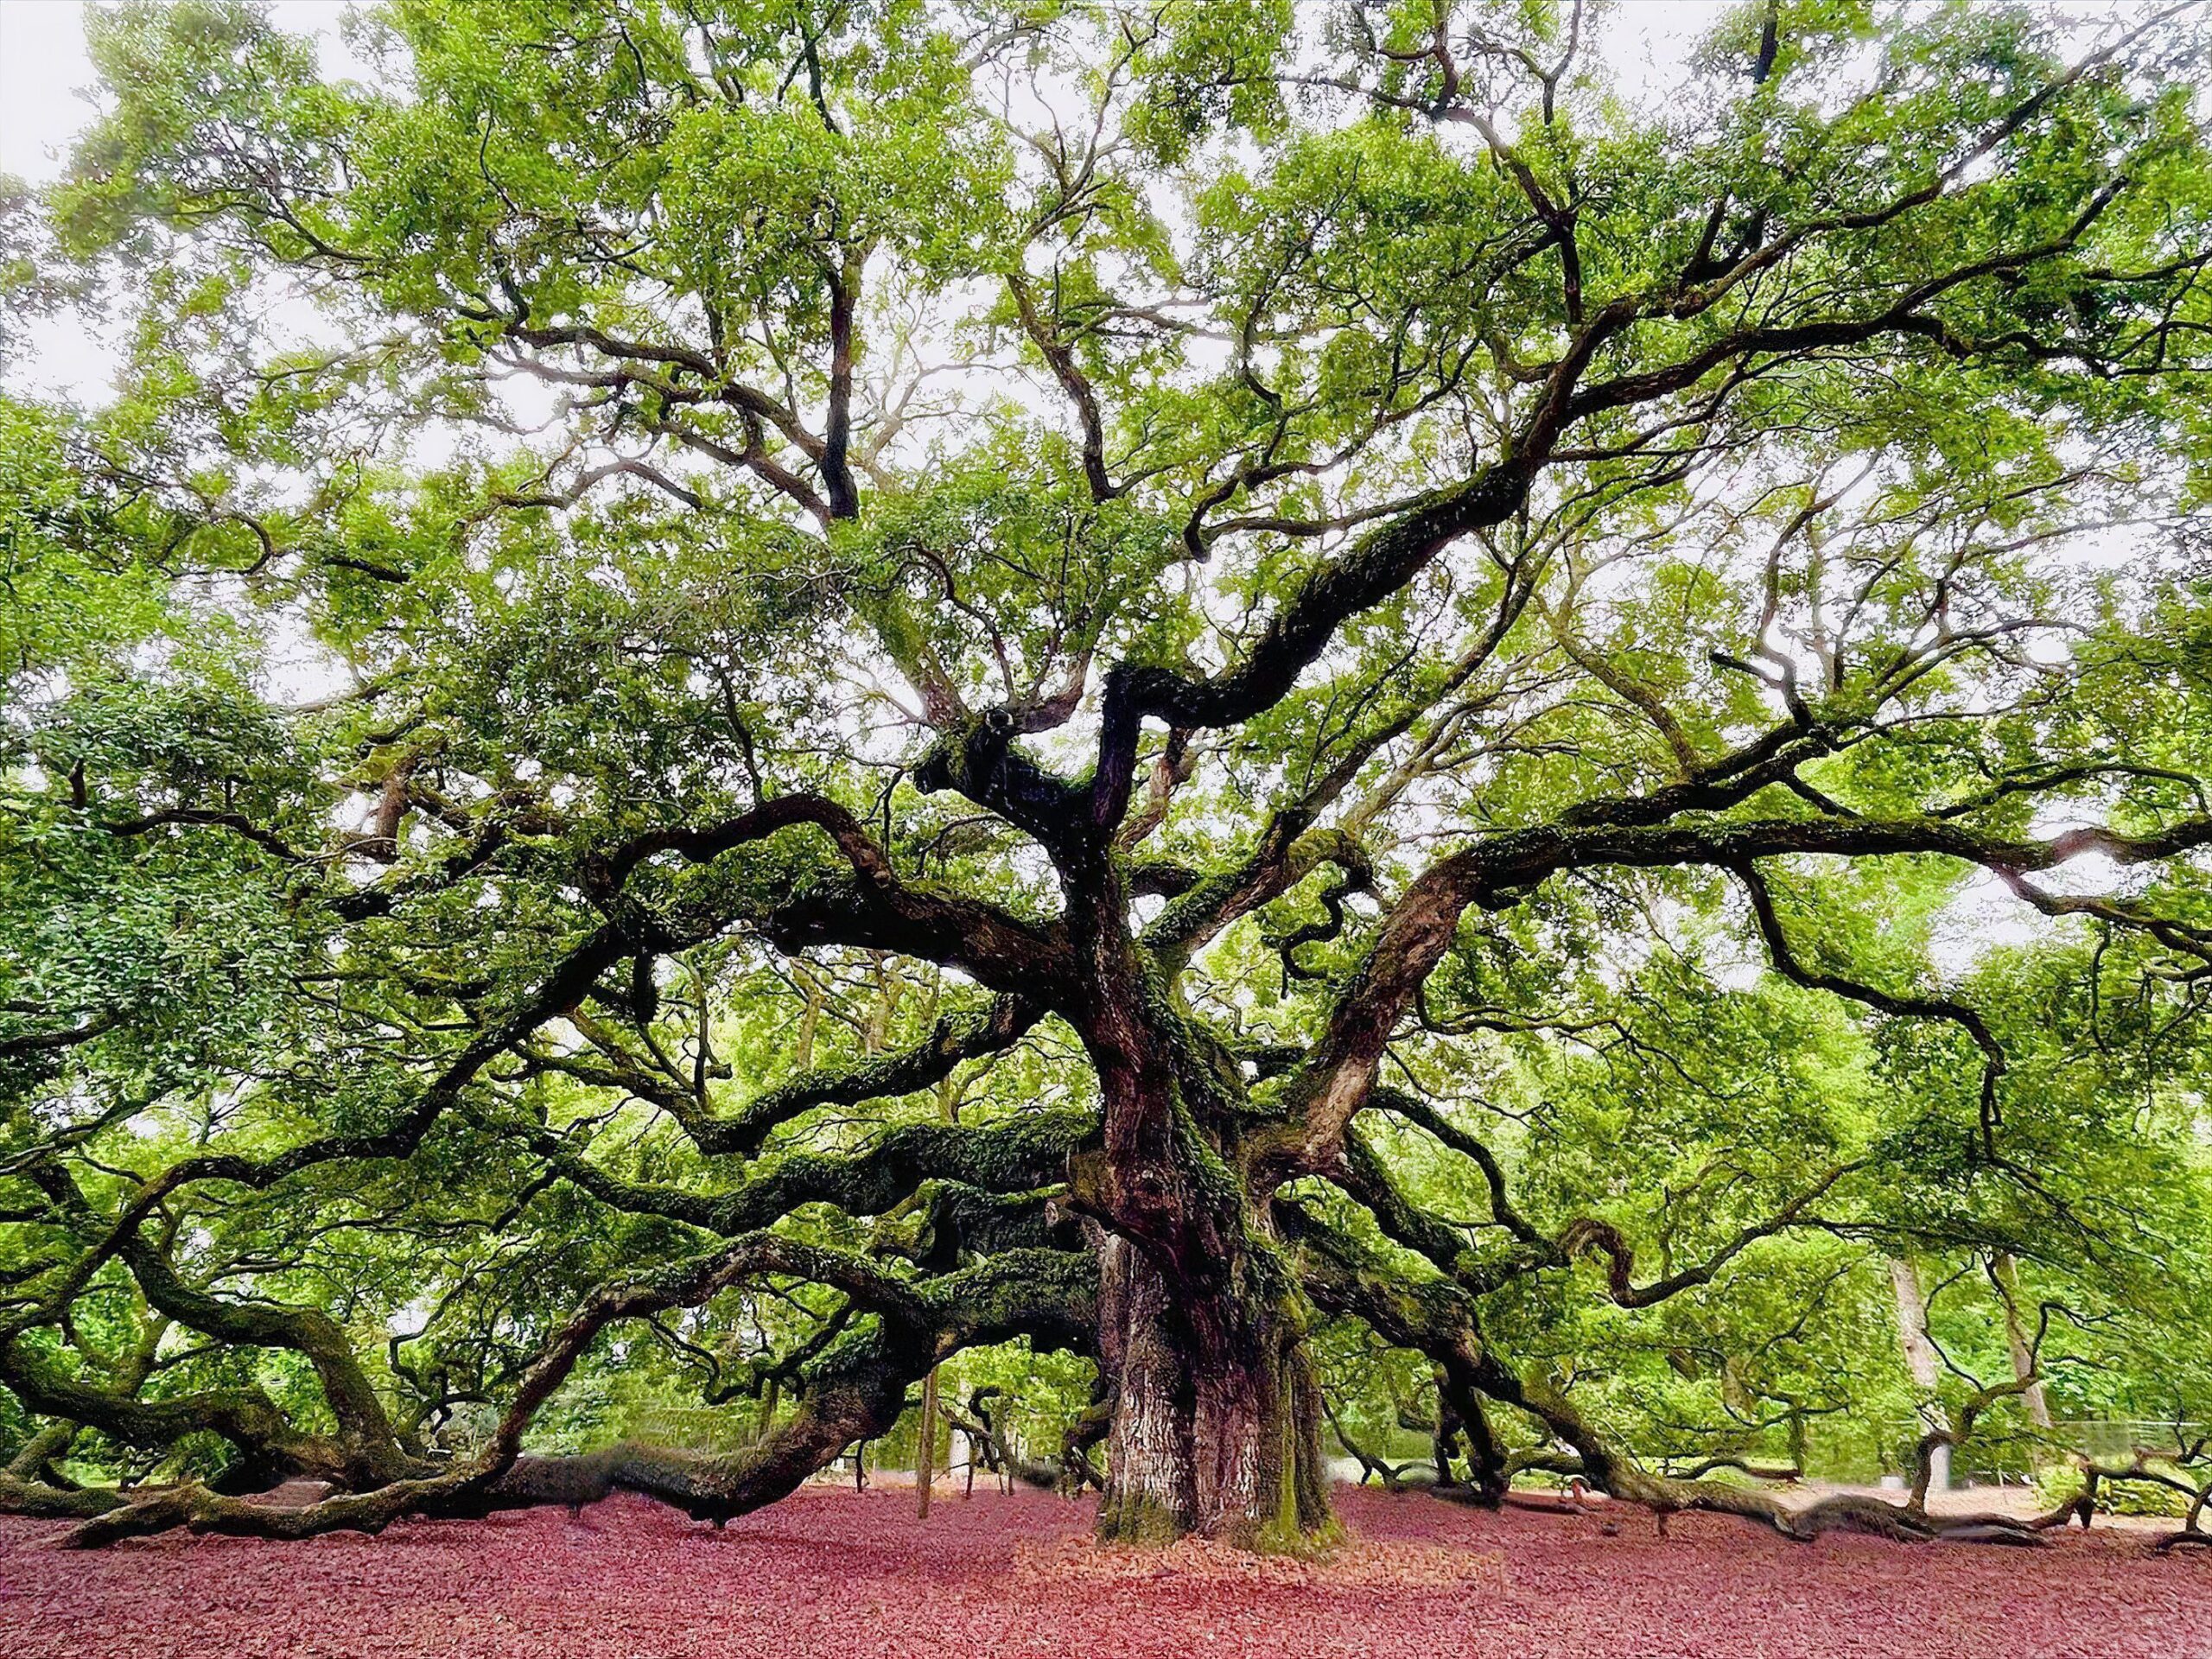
point(1922, 1360)
point(2004, 1272)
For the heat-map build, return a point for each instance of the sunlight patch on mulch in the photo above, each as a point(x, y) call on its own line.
point(1359, 1563)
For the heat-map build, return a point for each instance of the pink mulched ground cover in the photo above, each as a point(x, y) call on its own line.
point(831, 1575)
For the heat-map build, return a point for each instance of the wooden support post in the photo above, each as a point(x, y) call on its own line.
point(926, 1447)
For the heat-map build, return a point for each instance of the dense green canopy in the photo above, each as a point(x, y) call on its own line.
point(1252, 720)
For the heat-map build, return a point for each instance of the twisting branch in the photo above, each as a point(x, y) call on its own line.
point(1791, 966)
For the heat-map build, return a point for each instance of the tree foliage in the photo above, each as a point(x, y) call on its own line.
point(1239, 716)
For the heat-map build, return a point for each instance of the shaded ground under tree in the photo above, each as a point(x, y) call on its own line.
point(828, 1572)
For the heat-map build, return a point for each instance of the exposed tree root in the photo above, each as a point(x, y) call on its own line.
point(44, 1502)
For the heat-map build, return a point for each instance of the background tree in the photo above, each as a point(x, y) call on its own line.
point(841, 682)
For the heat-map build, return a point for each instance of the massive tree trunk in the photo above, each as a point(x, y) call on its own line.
point(1216, 1418)
point(1216, 1424)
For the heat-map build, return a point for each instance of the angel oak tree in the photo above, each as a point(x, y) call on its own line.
point(1171, 576)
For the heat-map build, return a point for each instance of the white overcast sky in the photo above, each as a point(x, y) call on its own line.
point(44, 73)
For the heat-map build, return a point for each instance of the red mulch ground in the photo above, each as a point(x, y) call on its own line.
point(828, 1573)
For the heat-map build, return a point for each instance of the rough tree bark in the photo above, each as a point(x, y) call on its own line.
point(1216, 1425)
